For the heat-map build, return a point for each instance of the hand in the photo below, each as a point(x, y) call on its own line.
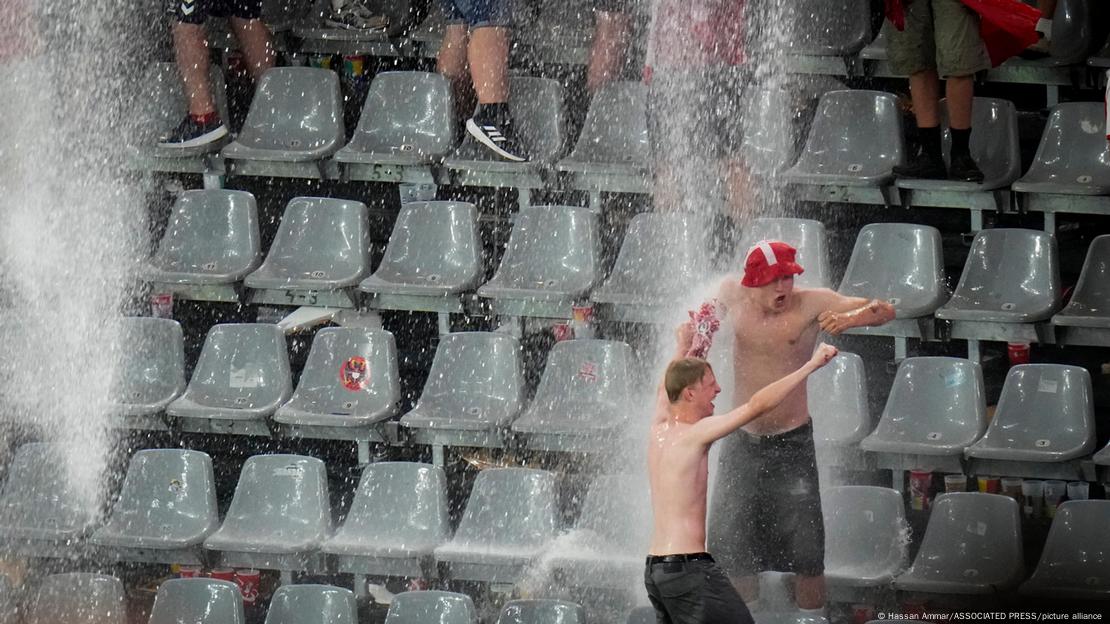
point(823, 354)
point(684, 334)
point(833, 322)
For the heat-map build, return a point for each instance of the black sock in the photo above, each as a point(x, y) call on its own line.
point(960, 140)
point(495, 112)
point(930, 141)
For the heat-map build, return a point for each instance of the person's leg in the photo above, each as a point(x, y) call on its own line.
point(913, 52)
point(722, 603)
point(190, 47)
point(961, 54)
point(451, 63)
point(256, 43)
point(607, 53)
point(488, 54)
point(736, 515)
point(809, 591)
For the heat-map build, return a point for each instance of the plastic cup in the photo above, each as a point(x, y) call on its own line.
point(222, 574)
point(248, 581)
point(1011, 486)
point(1054, 492)
point(1079, 490)
point(190, 572)
point(921, 483)
point(1018, 352)
point(1032, 495)
point(955, 483)
point(990, 485)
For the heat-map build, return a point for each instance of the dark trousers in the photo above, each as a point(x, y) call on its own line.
point(693, 592)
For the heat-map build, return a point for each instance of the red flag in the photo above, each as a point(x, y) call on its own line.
point(1006, 26)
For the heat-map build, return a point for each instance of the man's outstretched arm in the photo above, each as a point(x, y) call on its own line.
point(709, 430)
point(840, 313)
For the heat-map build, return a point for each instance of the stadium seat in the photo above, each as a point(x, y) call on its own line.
point(408, 120)
point(877, 49)
point(197, 601)
point(9, 601)
point(614, 140)
point(433, 256)
point(865, 528)
point(78, 598)
point(509, 520)
point(541, 612)
point(295, 118)
point(550, 262)
point(1073, 28)
point(211, 243)
point(349, 386)
point(901, 263)
point(279, 517)
point(241, 378)
point(1090, 301)
point(936, 408)
point(1102, 457)
point(823, 28)
point(1073, 157)
point(837, 398)
point(166, 508)
point(151, 374)
point(972, 545)
point(1076, 554)
point(397, 519)
point(322, 246)
point(42, 513)
point(421, 607)
point(768, 145)
point(302, 604)
point(1011, 276)
point(805, 235)
point(642, 615)
point(856, 139)
point(609, 538)
point(1102, 57)
point(474, 391)
point(662, 258)
point(584, 397)
point(1045, 415)
point(162, 106)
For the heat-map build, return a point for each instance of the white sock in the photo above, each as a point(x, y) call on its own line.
point(1044, 26)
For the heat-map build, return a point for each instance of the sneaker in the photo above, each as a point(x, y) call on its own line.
point(964, 169)
point(355, 15)
point(922, 166)
point(191, 133)
point(498, 136)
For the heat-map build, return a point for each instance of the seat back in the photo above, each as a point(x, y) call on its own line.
point(295, 109)
point(866, 529)
point(768, 144)
point(281, 495)
point(509, 508)
point(168, 494)
point(475, 374)
point(79, 598)
point(586, 381)
point(935, 401)
point(399, 502)
point(1072, 32)
point(615, 130)
point(1073, 151)
point(837, 398)
point(822, 28)
point(539, 117)
point(420, 607)
point(541, 612)
point(211, 232)
point(857, 134)
point(994, 143)
point(605, 512)
point(663, 255)
point(1092, 293)
point(901, 263)
point(1010, 272)
point(241, 365)
point(39, 500)
point(407, 113)
point(351, 371)
point(152, 370)
point(1077, 552)
point(805, 235)
point(197, 601)
point(435, 244)
point(551, 248)
point(320, 239)
point(300, 604)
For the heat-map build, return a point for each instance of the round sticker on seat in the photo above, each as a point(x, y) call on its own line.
point(894, 301)
point(855, 167)
point(1084, 179)
point(317, 274)
point(933, 435)
point(209, 266)
point(1008, 306)
point(971, 573)
point(353, 373)
point(1042, 443)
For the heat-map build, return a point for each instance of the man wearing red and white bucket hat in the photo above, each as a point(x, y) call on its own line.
point(766, 510)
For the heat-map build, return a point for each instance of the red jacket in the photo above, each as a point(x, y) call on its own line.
point(1006, 26)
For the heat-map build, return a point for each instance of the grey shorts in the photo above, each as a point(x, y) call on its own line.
point(766, 509)
point(941, 35)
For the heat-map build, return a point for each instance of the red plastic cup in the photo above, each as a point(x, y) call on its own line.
point(563, 331)
point(1018, 352)
point(921, 486)
point(990, 485)
point(862, 613)
point(161, 305)
point(223, 574)
point(248, 581)
point(190, 572)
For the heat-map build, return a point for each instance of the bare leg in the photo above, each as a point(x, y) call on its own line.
point(809, 591)
point(925, 92)
point(488, 54)
point(608, 49)
point(191, 49)
point(960, 91)
point(258, 48)
point(451, 62)
point(740, 191)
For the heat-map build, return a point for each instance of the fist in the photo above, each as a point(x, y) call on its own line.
point(684, 334)
point(823, 354)
point(832, 322)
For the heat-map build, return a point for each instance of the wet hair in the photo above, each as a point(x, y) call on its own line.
point(683, 373)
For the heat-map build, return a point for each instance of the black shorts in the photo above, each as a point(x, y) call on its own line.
point(693, 592)
point(766, 509)
point(197, 11)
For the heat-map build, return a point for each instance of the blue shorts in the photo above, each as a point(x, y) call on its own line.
point(478, 13)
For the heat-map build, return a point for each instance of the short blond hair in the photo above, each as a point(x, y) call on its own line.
point(683, 373)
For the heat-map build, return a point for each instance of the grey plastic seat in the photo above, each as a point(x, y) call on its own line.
point(583, 397)
point(1090, 302)
point(421, 607)
point(1076, 554)
point(279, 517)
point(541, 612)
point(1073, 157)
point(349, 381)
point(805, 235)
point(855, 140)
point(972, 545)
point(1011, 276)
point(865, 526)
point(552, 256)
point(296, 116)
point(994, 145)
point(509, 520)
point(901, 263)
point(614, 136)
point(242, 375)
point(1103, 457)
point(1072, 32)
point(837, 397)
point(1045, 414)
point(212, 238)
point(166, 508)
point(78, 598)
point(642, 615)
point(475, 384)
point(408, 119)
point(877, 49)
point(434, 251)
point(397, 519)
point(822, 28)
point(9, 601)
point(609, 540)
point(152, 372)
point(42, 511)
point(321, 244)
point(197, 601)
point(302, 604)
point(768, 144)
point(662, 257)
point(162, 106)
point(936, 406)
point(537, 105)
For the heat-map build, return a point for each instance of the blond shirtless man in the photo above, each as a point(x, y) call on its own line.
point(766, 509)
point(684, 584)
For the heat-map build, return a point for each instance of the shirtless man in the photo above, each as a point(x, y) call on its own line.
point(683, 582)
point(766, 510)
